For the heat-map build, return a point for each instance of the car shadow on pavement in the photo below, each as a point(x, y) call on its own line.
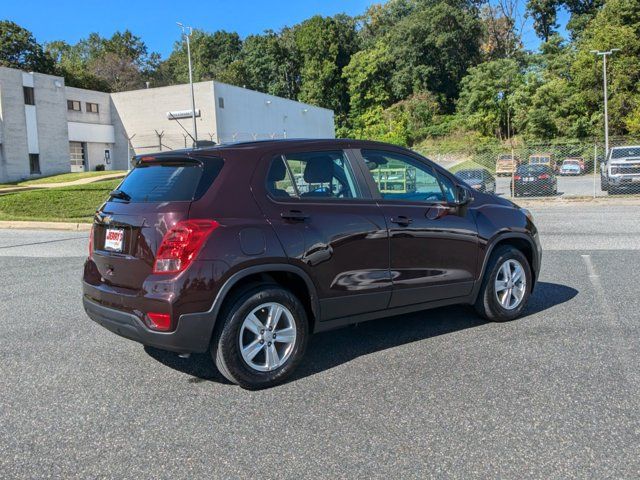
point(329, 349)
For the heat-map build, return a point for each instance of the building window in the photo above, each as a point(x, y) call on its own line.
point(74, 105)
point(34, 163)
point(221, 102)
point(92, 107)
point(29, 96)
point(77, 156)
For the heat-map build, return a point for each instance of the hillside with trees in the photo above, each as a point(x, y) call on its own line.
point(406, 71)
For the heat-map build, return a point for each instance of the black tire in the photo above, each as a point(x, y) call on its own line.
point(487, 305)
point(225, 349)
point(604, 185)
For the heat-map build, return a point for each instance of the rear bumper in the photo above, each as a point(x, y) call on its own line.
point(192, 333)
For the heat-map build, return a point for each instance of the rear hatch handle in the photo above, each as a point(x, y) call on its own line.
point(294, 215)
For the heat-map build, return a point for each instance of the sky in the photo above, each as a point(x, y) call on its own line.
point(155, 21)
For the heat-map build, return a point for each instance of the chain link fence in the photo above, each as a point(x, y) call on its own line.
point(548, 170)
point(158, 141)
point(567, 169)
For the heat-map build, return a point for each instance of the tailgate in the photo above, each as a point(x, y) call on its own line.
point(152, 199)
point(136, 231)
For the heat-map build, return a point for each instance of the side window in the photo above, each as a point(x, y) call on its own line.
point(449, 188)
point(400, 177)
point(279, 182)
point(312, 175)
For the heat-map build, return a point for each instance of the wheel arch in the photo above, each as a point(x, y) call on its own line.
point(285, 275)
point(521, 242)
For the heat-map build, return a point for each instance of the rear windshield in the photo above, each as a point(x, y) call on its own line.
point(175, 181)
point(533, 169)
point(539, 160)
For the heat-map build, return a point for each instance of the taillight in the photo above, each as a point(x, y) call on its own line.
point(517, 177)
point(181, 244)
point(544, 176)
point(91, 241)
point(159, 321)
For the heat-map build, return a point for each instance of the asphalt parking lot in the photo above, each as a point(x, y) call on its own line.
point(439, 394)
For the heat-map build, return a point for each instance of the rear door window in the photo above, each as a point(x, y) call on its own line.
point(172, 181)
point(312, 175)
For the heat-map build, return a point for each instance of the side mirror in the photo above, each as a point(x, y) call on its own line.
point(463, 196)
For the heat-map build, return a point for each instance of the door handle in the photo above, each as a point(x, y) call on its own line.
point(401, 220)
point(294, 215)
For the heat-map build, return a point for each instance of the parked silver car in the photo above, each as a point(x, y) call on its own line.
point(621, 171)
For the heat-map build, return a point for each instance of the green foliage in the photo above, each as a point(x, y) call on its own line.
point(486, 98)
point(424, 73)
point(113, 64)
point(18, 49)
point(269, 65)
point(376, 124)
point(324, 46)
point(211, 55)
point(433, 48)
point(544, 14)
point(368, 79)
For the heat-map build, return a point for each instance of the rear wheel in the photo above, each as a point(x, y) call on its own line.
point(262, 339)
point(506, 285)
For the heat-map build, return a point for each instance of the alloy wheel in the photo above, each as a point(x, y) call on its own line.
point(510, 284)
point(267, 337)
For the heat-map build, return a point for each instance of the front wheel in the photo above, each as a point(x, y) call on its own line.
point(263, 338)
point(506, 285)
point(604, 184)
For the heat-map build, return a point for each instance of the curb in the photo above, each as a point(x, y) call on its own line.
point(26, 225)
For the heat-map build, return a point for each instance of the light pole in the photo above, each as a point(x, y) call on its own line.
point(193, 98)
point(604, 55)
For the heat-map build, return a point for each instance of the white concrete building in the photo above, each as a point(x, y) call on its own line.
point(48, 128)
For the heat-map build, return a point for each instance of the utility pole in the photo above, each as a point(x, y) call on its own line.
point(193, 98)
point(604, 55)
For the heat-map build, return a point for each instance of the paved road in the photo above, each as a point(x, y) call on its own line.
point(431, 395)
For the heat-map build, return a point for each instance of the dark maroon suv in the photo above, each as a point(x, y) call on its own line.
point(244, 250)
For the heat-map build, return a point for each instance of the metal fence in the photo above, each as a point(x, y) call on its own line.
point(545, 170)
point(157, 141)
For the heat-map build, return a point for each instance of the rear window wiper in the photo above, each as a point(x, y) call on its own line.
point(121, 194)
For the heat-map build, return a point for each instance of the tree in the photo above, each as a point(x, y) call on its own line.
point(19, 49)
point(73, 66)
point(380, 19)
point(544, 14)
point(582, 12)
point(211, 54)
point(368, 79)
point(486, 102)
point(433, 48)
point(270, 64)
point(503, 25)
point(121, 62)
point(324, 46)
point(617, 25)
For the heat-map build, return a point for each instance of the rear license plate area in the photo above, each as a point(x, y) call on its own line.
point(114, 239)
